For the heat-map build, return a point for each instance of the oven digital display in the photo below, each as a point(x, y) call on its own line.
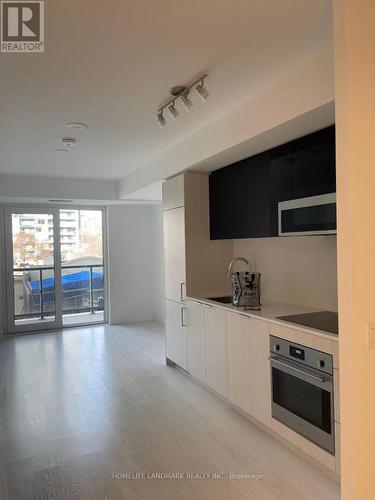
point(296, 352)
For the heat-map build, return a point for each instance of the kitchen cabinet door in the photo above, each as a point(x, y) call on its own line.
point(173, 193)
point(249, 385)
point(196, 344)
point(174, 252)
point(228, 202)
point(258, 221)
point(311, 170)
point(176, 333)
point(314, 168)
point(219, 217)
point(260, 385)
point(216, 350)
point(239, 370)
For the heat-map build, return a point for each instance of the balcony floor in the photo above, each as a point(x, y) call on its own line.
point(85, 318)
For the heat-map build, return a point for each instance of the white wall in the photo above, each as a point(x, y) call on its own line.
point(300, 270)
point(135, 263)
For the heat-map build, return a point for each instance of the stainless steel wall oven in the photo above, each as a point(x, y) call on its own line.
point(302, 391)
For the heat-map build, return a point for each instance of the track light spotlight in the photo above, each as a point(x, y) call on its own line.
point(202, 91)
point(161, 119)
point(173, 110)
point(186, 101)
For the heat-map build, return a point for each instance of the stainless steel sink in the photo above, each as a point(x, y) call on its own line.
point(222, 300)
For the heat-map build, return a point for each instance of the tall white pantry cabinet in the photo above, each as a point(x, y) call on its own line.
point(175, 270)
point(194, 265)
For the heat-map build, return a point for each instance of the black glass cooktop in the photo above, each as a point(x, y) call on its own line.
point(322, 320)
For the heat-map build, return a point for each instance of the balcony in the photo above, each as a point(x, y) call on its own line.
point(82, 293)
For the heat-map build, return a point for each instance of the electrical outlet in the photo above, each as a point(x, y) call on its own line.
point(371, 336)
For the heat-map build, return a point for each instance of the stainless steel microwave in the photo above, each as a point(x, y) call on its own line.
point(308, 216)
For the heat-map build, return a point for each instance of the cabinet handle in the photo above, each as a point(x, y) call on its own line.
point(183, 309)
point(183, 299)
point(244, 315)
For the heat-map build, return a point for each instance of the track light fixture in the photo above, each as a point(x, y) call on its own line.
point(186, 101)
point(173, 110)
point(161, 119)
point(182, 93)
point(202, 91)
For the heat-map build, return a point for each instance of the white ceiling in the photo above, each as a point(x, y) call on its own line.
point(110, 64)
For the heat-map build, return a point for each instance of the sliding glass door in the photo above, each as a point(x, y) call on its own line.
point(55, 267)
point(82, 266)
point(33, 270)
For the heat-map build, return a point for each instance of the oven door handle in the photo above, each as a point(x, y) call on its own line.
point(290, 367)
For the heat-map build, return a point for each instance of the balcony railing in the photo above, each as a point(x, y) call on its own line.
point(82, 291)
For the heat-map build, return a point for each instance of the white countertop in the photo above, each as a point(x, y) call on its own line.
point(270, 311)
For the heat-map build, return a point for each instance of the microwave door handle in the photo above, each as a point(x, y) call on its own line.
point(290, 367)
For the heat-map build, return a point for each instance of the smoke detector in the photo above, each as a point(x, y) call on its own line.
point(76, 125)
point(69, 141)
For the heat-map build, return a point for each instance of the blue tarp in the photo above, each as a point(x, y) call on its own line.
point(73, 285)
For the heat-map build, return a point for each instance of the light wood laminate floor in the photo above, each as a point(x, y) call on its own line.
point(79, 405)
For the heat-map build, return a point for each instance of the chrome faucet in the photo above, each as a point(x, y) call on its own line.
point(236, 259)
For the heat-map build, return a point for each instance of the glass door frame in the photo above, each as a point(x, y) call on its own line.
point(54, 209)
point(10, 305)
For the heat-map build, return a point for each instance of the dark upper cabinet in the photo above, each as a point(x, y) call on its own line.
point(257, 184)
point(228, 202)
point(239, 200)
point(244, 197)
point(310, 175)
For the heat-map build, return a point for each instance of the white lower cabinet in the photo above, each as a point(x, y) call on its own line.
point(176, 333)
point(229, 352)
point(207, 345)
point(249, 385)
point(196, 344)
point(216, 350)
